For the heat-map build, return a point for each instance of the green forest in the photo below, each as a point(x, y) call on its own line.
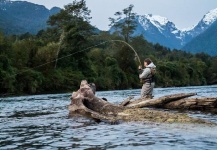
point(56, 59)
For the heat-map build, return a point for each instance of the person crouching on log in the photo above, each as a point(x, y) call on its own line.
point(147, 78)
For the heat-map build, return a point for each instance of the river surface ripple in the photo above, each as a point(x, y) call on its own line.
point(42, 122)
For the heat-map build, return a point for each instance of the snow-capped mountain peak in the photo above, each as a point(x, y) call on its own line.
point(203, 25)
point(161, 23)
point(157, 29)
point(157, 20)
point(210, 17)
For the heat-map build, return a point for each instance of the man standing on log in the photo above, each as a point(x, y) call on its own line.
point(147, 78)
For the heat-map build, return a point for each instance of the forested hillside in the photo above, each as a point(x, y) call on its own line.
point(18, 17)
point(57, 59)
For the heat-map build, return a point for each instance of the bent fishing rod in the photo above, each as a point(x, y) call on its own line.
point(136, 54)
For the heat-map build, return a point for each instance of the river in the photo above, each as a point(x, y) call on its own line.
point(42, 122)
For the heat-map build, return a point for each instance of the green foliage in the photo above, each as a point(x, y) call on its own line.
point(116, 77)
point(73, 22)
point(47, 55)
point(72, 13)
point(62, 80)
point(24, 52)
point(7, 75)
point(5, 45)
point(210, 73)
point(29, 81)
point(48, 36)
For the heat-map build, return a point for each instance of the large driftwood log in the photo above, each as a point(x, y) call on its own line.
point(202, 104)
point(179, 102)
point(85, 102)
point(159, 102)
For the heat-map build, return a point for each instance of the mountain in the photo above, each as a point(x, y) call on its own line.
point(202, 26)
point(158, 29)
point(18, 17)
point(204, 42)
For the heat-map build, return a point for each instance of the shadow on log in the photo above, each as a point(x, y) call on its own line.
point(86, 103)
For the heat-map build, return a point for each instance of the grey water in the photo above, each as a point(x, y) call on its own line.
point(42, 122)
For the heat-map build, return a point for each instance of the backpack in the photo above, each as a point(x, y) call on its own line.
point(153, 71)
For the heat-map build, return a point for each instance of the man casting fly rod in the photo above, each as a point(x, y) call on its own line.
point(146, 76)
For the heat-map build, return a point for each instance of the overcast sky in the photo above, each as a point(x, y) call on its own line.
point(184, 13)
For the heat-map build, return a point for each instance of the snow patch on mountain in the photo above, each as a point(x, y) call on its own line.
point(210, 17)
point(161, 23)
point(158, 29)
point(203, 25)
point(188, 29)
point(157, 21)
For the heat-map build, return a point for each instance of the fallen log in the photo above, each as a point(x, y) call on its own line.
point(159, 102)
point(85, 102)
point(202, 104)
point(177, 102)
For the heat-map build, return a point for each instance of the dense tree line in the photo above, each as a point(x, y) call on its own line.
point(57, 59)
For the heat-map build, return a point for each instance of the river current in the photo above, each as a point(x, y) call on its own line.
point(42, 122)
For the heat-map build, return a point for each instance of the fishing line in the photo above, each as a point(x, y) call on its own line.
point(136, 54)
point(90, 48)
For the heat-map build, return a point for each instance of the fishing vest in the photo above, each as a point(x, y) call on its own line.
point(150, 77)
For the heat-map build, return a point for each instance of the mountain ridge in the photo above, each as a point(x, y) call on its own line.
point(18, 17)
point(166, 31)
point(204, 42)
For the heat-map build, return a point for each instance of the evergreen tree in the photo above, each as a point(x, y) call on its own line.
point(125, 22)
point(73, 23)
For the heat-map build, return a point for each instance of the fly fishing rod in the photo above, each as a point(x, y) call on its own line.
point(136, 54)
